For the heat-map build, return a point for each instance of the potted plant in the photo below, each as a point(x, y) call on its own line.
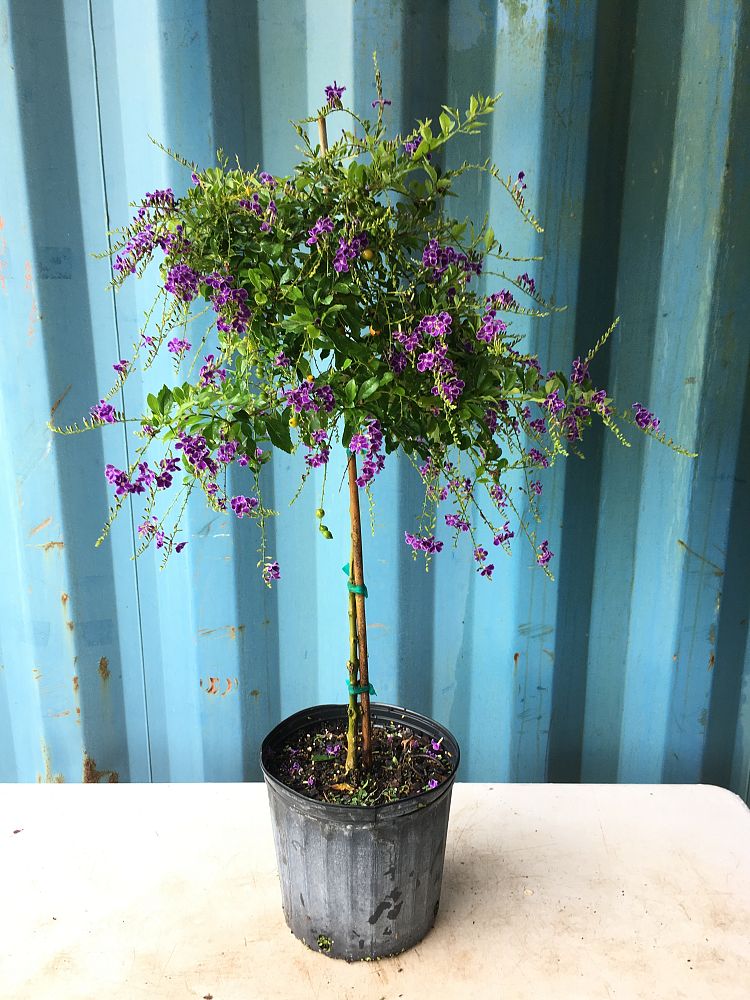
point(346, 311)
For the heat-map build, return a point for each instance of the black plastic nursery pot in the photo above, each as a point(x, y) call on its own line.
point(359, 882)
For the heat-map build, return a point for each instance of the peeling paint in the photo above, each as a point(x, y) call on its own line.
point(39, 527)
point(75, 683)
point(104, 668)
point(36, 673)
point(93, 776)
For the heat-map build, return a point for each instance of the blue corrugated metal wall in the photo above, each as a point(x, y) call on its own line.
point(631, 122)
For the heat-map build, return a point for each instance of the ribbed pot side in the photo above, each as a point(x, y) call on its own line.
point(359, 883)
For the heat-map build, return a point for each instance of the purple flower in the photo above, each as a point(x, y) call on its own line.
point(119, 479)
point(538, 426)
point(242, 505)
point(544, 555)
point(225, 452)
point(579, 371)
point(644, 418)
point(527, 283)
point(160, 199)
point(538, 458)
point(480, 554)
point(553, 402)
point(268, 179)
point(499, 495)
point(281, 360)
point(195, 178)
point(359, 443)
point(178, 347)
point(505, 535)
point(121, 367)
point(271, 572)
point(426, 543)
point(536, 487)
point(103, 411)
point(456, 521)
point(381, 102)
point(210, 372)
point(322, 225)
point(183, 282)
point(432, 783)
point(371, 437)
point(333, 94)
point(486, 570)
point(180, 546)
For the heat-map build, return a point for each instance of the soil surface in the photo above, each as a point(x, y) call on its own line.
point(404, 763)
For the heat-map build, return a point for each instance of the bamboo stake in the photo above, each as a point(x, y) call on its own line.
point(357, 572)
point(357, 615)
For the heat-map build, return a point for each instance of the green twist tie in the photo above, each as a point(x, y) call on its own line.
point(353, 588)
point(360, 688)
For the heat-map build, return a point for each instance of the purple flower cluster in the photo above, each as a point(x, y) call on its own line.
point(322, 225)
point(491, 327)
point(281, 360)
point(160, 199)
point(104, 411)
point(211, 372)
point(271, 571)
point(502, 300)
point(229, 303)
point(599, 401)
point(504, 536)
point(450, 389)
point(243, 505)
point(318, 452)
point(178, 347)
point(544, 554)
point(538, 458)
point(645, 419)
point(579, 371)
point(397, 361)
point(456, 521)
point(438, 259)
point(423, 543)
point(412, 144)
point(183, 282)
point(307, 396)
point(197, 452)
point(225, 452)
point(528, 284)
point(333, 94)
point(347, 252)
point(371, 448)
point(139, 246)
point(435, 326)
point(553, 402)
point(409, 341)
point(539, 426)
point(499, 495)
point(268, 179)
point(121, 367)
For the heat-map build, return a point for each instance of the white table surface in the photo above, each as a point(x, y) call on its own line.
point(550, 891)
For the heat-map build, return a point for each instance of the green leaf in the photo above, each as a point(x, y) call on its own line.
point(278, 432)
point(350, 390)
point(368, 388)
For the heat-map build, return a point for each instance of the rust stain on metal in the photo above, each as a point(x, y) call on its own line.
point(93, 776)
point(255, 693)
point(70, 625)
point(60, 715)
point(212, 687)
point(59, 400)
point(36, 673)
point(75, 683)
point(50, 778)
point(51, 545)
point(40, 526)
point(516, 657)
point(229, 630)
point(228, 689)
point(712, 661)
point(718, 571)
point(64, 598)
point(104, 668)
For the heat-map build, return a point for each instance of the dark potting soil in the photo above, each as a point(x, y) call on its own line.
point(404, 763)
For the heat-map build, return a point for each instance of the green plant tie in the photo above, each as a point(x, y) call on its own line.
point(353, 588)
point(360, 688)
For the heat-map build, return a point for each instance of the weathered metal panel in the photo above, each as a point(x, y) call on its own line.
point(631, 122)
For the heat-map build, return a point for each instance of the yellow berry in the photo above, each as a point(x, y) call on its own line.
point(293, 421)
point(368, 254)
point(319, 513)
